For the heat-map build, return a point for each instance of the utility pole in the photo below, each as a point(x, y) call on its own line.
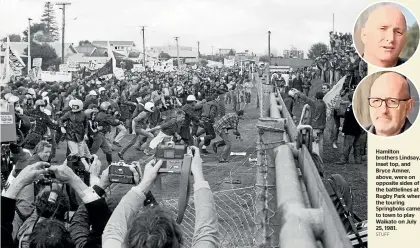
point(333, 23)
point(212, 57)
point(269, 55)
point(269, 48)
point(63, 4)
point(198, 45)
point(177, 50)
point(29, 45)
point(144, 47)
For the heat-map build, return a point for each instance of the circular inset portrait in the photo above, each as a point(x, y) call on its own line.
point(386, 34)
point(386, 103)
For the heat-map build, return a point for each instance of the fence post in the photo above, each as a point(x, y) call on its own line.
point(266, 206)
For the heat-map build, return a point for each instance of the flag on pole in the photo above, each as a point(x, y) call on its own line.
point(5, 75)
point(13, 64)
point(112, 57)
point(333, 96)
point(105, 70)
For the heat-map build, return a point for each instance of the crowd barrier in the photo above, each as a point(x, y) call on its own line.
point(293, 208)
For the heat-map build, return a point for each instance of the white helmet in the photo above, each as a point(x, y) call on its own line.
point(92, 93)
point(101, 89)
point(7, 96)
point(47, 112)
point(191, 98)
point(149, 106)
point(76, 105)
point(13, 99)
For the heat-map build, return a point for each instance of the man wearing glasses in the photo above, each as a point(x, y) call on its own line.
point(390, 104)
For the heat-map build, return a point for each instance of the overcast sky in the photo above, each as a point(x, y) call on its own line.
point(238, 24)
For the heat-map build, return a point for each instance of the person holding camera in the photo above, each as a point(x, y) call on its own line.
point(222, 127)
point(156, 227)
point(45, 227)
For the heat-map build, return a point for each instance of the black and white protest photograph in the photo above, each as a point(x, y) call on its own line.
point(182, 123)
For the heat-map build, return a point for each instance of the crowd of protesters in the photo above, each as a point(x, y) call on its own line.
point(188, 106)
point(341, 60)
point(51, 203)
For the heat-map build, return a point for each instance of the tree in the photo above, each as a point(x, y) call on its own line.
point(412, 41)
point(316, 50)
point(128, 64)
point(84, 42)
point(203, 62)
point(37, 33)
point(13, 38)
point(165, 56)
point(48, 18)
point(264, 58)
point(46, 52)
point(231, 52)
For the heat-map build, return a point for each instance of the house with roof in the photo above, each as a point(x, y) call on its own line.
point(184, 51)
point(121, 47)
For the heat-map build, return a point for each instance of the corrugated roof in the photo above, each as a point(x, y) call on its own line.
point(104, 43)
point(86, 49)
point(99, 52)
point(57, 48)
point(134, 54)
point(80, 59)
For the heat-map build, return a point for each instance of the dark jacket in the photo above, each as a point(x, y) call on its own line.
point(190, 115)
point(297, 84)
point(106, 121)
point(210, 110)
point(7, 215)
point(350, 124)
point(90, 100)
point(77, 125)
point(318, 112)
point(42, 121)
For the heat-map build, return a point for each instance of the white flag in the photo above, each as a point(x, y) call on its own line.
point(333, 95)
point(111, 56)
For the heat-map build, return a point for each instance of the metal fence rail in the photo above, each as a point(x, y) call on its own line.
point(303, 215)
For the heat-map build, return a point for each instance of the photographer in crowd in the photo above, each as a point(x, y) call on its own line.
point(156, 227)
point(46, 226)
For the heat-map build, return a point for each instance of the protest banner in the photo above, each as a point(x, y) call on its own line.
point(137, 68)
point(333, 95)
point(13, 64)
point(64, 67)
point(37, 62)
point(51, 76)
point(229, 62)
point(119, 73)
